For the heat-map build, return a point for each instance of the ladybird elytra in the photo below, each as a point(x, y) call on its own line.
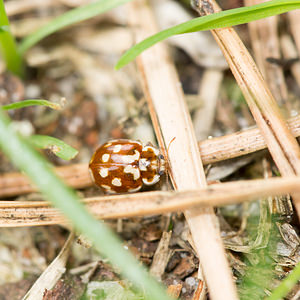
point(121, 166)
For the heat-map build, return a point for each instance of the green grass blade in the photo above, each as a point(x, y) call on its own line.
point(8, 46)
point(226, 18)
point(65, 199)
point(58, 147)
point(69, 18)
point(31, 102)
point(286, 285)
point(4, 28)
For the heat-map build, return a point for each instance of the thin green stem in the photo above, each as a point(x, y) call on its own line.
point(71, 17)
point(286, 285)
point(31, 102)
point(65, 199)
point(8, 46)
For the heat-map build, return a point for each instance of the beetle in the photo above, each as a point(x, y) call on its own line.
point(120, 166)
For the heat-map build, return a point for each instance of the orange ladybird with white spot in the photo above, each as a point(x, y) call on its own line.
point(121, 166)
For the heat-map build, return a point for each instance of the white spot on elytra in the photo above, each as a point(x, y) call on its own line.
point(103, 172)
point(154, 180)
point(135, 142)
point(129, 159)
point(116, 182)
point(106, 187)
point(105, 157)
point(134, 171)
point(117, 148)
point(135, 189)
point(107, 145)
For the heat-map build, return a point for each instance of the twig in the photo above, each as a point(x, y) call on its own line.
point(35, 213)
point(239, 143)
point(171, 119)
point(76, 175)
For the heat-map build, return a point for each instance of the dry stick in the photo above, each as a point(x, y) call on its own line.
point(12, 184)
point(281, 143)
point(171, 119)
point(34, 213)
point(211, 150)
point(239, 143)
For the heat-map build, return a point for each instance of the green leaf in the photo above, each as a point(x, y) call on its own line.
point(286, 285)
point(226, 18)
point(31, 102)
point(58, 147)
point(8, 46)
point(4, 28)
point(109, 290)
point(64, 198)
point(69, 18)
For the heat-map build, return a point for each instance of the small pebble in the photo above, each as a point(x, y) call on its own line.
point(191, 281)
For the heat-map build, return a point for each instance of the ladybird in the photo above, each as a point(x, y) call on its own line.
point(121, 166)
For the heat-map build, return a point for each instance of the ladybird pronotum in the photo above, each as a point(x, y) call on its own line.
point(121, 166)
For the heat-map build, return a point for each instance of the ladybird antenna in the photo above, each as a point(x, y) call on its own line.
point(167, 160)
point(172, 140)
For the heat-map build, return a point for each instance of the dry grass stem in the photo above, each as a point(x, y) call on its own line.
point(52, 274)
point(19, 7)
point(172, 122)
point(281, 143)
point(199, 292)
point(161, 256)
point(34, 213)
point(211, 150)
point(208, 93)
point(76, 176)
point(265, 44)
point(239, 143)
point(294, 17)
point(290, 52)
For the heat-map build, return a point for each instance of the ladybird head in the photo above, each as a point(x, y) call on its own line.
point(151, 165)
